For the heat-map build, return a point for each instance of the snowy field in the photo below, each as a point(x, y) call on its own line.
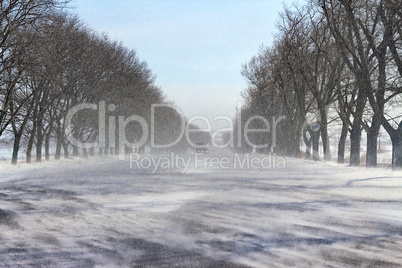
point(102, 213)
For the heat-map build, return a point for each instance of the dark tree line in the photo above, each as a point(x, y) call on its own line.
point(332, 60)
point(50, 63)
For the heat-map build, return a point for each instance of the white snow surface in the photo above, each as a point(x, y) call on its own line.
point(99, 212)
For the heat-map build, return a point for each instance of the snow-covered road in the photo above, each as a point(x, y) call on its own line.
point(102, 213)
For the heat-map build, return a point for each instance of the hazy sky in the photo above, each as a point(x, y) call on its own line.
point(194, 47)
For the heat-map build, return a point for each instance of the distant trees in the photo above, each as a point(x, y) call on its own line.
point(51, 62)
point(332, 53)
point(15, 18)
point(20, 20)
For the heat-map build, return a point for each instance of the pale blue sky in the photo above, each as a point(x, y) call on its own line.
point(194, 47)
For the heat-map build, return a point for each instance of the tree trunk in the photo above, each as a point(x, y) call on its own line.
point(355, 137)
point(39, 144)
point(116, 149)
point(324, 134)
point(356, 133)
point(341, 144)
point(84, 152)
point(30, 143)
point(397, 152)
point(32, 136)
point(371, 154)
point(58, 147)
point(65, 148)
point(396, 139)
point(307, 141)
point(47, 147)
point(372, 137)
point(75, 150)
point(59, 141)
point(315, 138)
point(325, 143)
point(39, 141)
point(19, 132)
point(48, 132)
point(16, 147)
point(293, 144)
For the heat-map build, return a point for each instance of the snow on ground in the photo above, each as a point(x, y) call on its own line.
point(99, 212)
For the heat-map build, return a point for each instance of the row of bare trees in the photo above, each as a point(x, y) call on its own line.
point(50, 63)
point(332, 60)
